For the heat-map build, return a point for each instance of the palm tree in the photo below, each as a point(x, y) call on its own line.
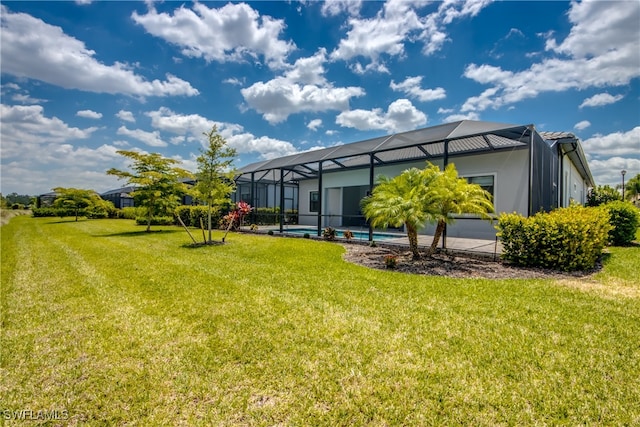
point(632, 188)
point(401, 201)
point(455, 196)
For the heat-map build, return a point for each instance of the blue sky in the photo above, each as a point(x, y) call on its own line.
point(81, 80)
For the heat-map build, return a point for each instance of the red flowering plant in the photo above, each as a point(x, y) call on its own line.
point(235, 218)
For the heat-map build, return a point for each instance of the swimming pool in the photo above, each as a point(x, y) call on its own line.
point(357, 235)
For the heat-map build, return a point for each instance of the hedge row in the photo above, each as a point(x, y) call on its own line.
point(565, 239)
point(95, 212)
point(268, 216)
point(53, 212)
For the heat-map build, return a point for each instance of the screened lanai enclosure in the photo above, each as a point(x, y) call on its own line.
point(526, 171)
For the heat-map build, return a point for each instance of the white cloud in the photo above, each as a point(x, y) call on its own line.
point(601, 50)
point(25, 125)
point(303, 88)
point(279, 98)
point(182, 124)
point(25, 98)
point(233, 81)
point(89, 114)
point(64, 61)
point(582, 125)
point(614, 144)
point(192, 126)
point(453, 9)
point(481, 102)
point(396, 24)
point(487, 73)
point(269, 148)
point(151, 139)
point(44, 150)
point(400, 116)
point(458, 117)
point(607, 171)
point(230, 33)
point(309, 70)
point(383, 34)
point(411, 87)
point(19, 95)
point(127, 116)
point(314, 124)
point(336, 7)
point(601, 99)
point(69, 171)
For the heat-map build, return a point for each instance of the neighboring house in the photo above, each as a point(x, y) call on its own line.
point(46, 199)
point(120, 197)
point(526, 171)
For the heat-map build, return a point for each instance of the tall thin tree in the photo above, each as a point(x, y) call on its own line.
point(215, 174)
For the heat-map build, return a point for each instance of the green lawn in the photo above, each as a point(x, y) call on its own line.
point(115, 326)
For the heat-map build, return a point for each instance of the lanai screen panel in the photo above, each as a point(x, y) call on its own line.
point(463, 137)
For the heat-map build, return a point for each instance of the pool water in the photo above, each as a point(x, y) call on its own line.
point(357, 235)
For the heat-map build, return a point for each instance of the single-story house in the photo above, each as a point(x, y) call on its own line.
point(122, 198)
point(525, 170)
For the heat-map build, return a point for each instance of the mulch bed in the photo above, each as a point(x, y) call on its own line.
point(451, 265)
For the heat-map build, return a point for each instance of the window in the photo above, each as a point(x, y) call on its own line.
point(314, 201)
point(485, 182)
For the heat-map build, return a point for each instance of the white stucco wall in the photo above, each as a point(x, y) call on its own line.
point(574, 186)
point(511, 186)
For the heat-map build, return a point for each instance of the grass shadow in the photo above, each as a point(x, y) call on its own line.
point(137, 233)
point(65, 221)
point(202, 245)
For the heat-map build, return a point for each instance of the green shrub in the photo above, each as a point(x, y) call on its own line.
point(191, 215)
point(101, 209)
point(329, 233)
point(132, 212)
point(390, 261)
point(565, 239)
point(625, 219)
point(17, 206)
point(156, 220)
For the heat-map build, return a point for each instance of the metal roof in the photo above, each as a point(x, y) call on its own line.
point(120, 190)
point(462, 137)
point(571, 147)
point(466, 136)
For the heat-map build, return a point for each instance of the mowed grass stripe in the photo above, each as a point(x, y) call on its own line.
point(266, 330)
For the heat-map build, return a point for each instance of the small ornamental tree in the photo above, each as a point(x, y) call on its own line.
point(158, 182)
point(215, 175)
point(76, 199)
